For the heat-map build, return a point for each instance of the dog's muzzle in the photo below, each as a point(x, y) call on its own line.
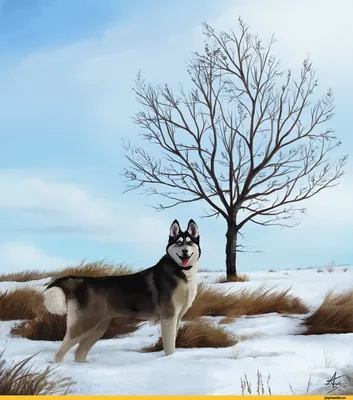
point(185, 258)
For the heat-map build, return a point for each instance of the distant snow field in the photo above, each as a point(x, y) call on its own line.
point(116, 366)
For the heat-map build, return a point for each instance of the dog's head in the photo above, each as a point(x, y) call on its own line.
point(184, 247)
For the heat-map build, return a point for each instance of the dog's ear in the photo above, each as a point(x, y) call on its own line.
point(174, 228)
point(193, 230)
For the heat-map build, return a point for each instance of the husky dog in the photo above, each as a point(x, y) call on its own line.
point(164, 291)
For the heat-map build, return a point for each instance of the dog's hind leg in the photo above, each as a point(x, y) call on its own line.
point(78, 327)
point(169, 327)
point(66, 345)
point(88, 342)
point(73, 336)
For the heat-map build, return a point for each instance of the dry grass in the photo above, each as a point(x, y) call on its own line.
point(227, 320)
point(308, 386)
point(24, 276)
point(319, 270)
point(218, 302)
point(330, 267)
point(198, 334)
point(236, 353)
point(98, 268)
point(94, 269)
point(345, 269)
point(45, 327)
point(246, 386)
point(333, 316)
point(23, 303)
point(20, 379)
point(50, 327)
point(272, 270)
point(330, 360)
point(238, 278)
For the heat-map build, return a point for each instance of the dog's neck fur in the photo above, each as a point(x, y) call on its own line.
point(191, 274)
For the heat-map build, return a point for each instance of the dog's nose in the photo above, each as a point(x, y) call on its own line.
point(185, 252)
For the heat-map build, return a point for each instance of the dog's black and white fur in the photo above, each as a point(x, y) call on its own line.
point(164, 291)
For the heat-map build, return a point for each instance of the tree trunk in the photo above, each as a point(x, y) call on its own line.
point(231, 250)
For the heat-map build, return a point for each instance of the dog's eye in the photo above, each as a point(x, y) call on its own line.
point(189, 242)
point(179, 243)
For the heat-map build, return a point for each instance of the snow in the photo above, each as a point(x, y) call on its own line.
point(268, 343)
point(38, 284)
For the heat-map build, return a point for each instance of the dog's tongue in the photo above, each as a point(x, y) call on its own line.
point(185, 261)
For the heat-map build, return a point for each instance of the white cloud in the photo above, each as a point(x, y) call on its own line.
point(332, 209)
point(95, 77)
point(42, 206)
point(21, 256)
point(300, 28)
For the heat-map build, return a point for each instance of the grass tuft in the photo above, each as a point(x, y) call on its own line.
point(261, 390)
point(196, 335)
point(92, 269)
point(227, 320)
point(24, 276)
point(217, 302)
point(20, 379)
point(333, 316)
point(238, 278)
point(47, 327)
point(23, 303)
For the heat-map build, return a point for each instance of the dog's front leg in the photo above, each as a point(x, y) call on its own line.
point(168, 327)
point(177, 326)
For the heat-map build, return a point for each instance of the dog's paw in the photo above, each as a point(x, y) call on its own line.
point(81, 361)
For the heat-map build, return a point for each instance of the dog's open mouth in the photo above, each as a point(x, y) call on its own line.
point(185, 259)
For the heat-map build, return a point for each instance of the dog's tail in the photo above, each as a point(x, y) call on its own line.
point(57, 293)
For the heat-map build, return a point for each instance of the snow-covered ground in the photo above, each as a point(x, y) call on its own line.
point(116, 366)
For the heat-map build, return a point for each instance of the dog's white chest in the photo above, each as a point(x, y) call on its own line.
point(191, 288)
point(185, 293)
point(191, 295)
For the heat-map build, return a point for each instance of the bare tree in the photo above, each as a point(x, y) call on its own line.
point(247, 138)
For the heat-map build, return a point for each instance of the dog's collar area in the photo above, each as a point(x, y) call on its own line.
point(186, 268)
point(177, 265)
point(186, 257)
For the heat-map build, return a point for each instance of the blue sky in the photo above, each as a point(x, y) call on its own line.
point(67, 69)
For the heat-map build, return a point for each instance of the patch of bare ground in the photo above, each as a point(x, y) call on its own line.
point(238, 278)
